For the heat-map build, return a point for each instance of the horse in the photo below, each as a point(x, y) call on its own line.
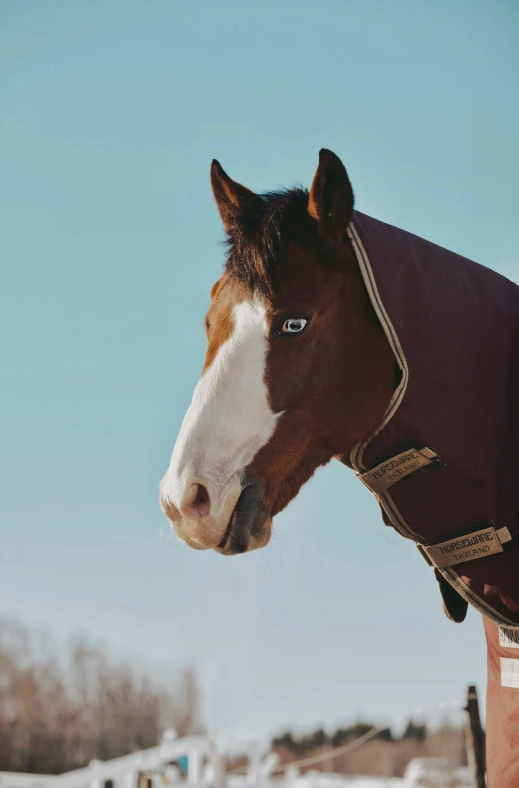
point(323, 342)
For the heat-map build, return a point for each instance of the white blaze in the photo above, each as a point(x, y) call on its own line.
point(228, 421)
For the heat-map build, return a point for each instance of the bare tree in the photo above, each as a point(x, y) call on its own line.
point(188, 704)
point(57, 715)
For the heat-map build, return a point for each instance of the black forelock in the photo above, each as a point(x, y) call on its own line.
point(256, 235)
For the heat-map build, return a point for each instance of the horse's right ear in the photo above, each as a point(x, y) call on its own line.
point(331, 197)
point(231, 197)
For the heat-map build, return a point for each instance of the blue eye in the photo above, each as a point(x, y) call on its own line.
point(294, 325)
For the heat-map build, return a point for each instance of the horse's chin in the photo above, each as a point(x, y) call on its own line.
point(250, 524)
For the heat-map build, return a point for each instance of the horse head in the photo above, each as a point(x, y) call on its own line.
point(297, 369)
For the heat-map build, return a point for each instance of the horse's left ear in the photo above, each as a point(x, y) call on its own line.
point(331, 197)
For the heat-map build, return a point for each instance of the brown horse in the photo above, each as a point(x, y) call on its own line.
point(331, 334)
point(297, 371)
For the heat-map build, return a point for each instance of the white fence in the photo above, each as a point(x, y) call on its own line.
point(160, 767)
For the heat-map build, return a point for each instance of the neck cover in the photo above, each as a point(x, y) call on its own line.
point(444, 463)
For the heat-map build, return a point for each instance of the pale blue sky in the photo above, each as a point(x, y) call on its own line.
point(111, 113)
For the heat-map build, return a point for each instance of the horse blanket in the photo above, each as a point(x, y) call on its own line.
point(444, 462)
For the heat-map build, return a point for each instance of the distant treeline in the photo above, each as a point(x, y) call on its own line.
point(59, 711)
point(319, 738)
point(385, 755)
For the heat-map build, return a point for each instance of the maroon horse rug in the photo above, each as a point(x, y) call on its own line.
point(444, 462)
point(333, 335)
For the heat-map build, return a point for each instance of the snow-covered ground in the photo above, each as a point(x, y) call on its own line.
point(419, 775)
point(372, 782)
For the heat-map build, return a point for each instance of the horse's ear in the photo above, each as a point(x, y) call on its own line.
point(231, 197)
point(331, 197)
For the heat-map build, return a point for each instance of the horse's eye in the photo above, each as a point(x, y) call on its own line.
point(294, 325)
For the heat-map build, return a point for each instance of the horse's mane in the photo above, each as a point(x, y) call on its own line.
point(254, 238)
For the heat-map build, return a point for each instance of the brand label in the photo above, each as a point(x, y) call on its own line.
point(478, 544)
point(510, 672)
point(387, 473)
point(508, 638)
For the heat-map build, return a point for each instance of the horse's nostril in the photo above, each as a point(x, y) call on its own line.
point(202, 497)
point(198, 502)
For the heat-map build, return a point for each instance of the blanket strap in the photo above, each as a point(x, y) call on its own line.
point(478, 542)
point(468, 546)
point(383, 476)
